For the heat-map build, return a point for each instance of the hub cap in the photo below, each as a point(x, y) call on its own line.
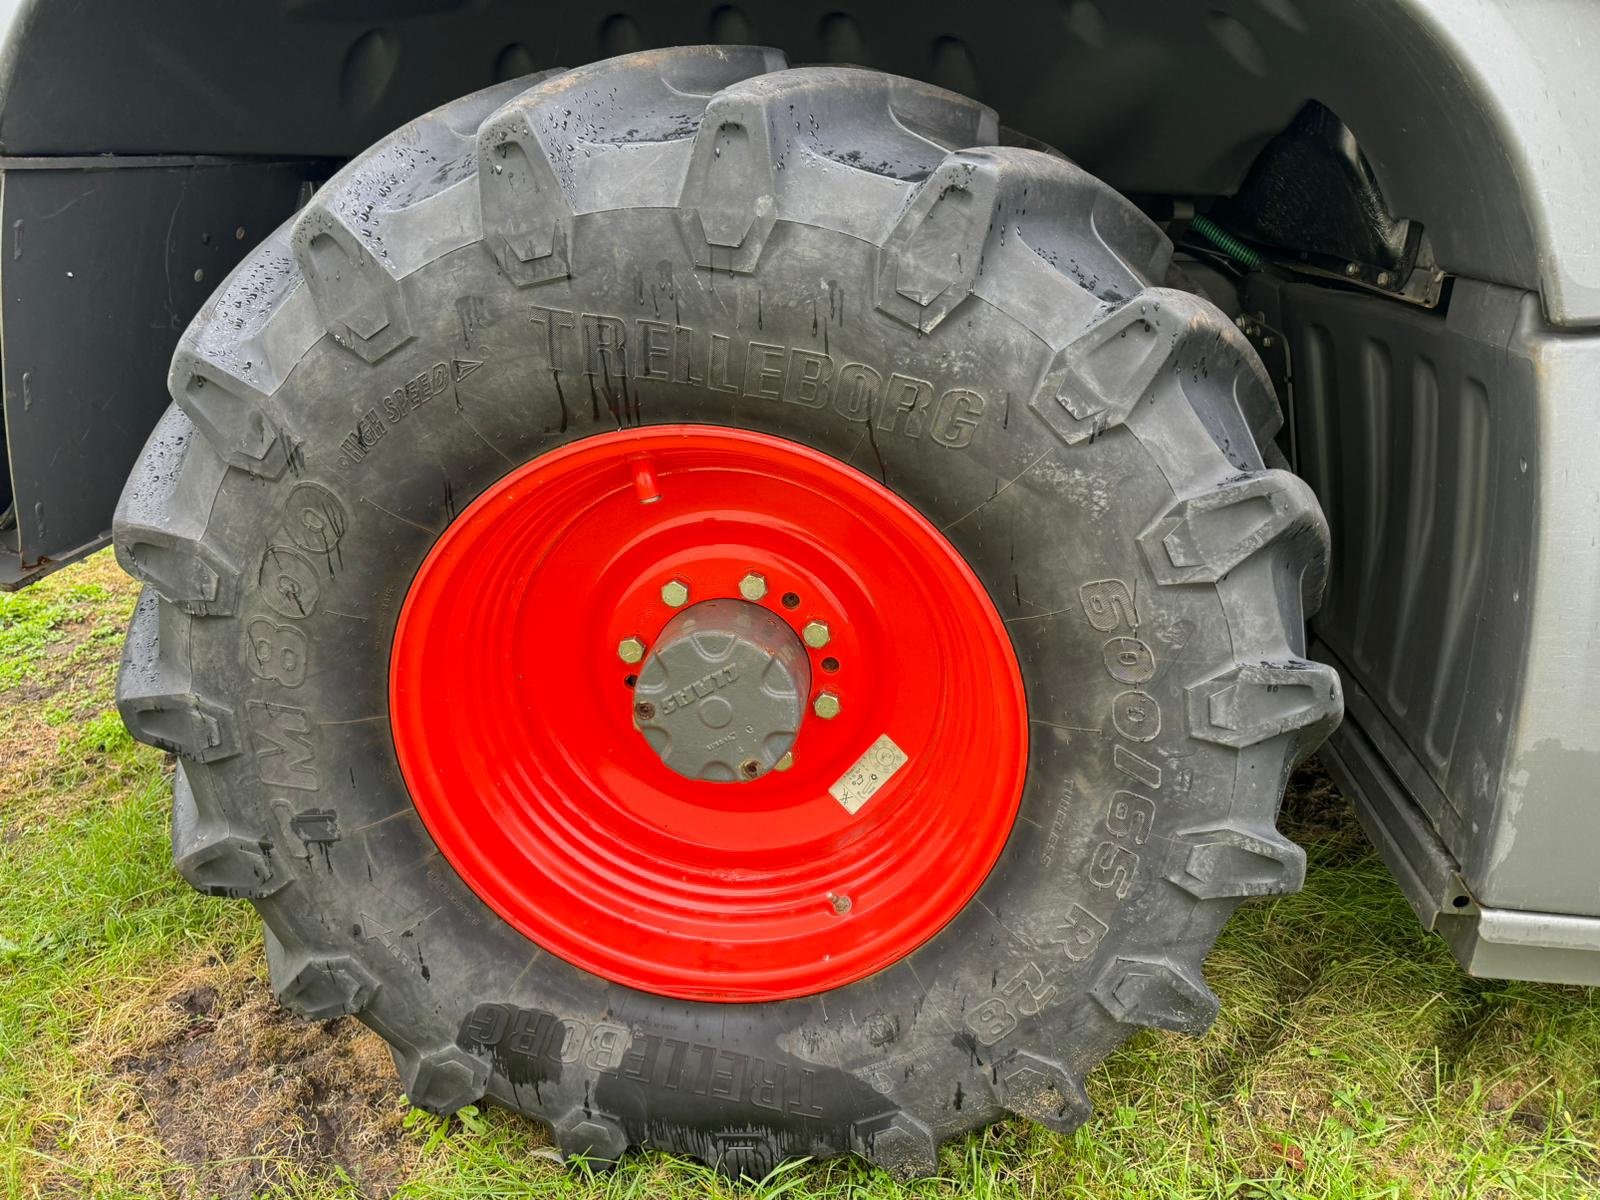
point(720, 697)
point(708, 714)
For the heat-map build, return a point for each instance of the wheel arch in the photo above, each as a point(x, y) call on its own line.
point(1480, 158)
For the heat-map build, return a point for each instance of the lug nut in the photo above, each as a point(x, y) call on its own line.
point(826, 705)
point(630, 650)
point(753, 586)
point(784, 763)
point(816, 634)
point(675, 593)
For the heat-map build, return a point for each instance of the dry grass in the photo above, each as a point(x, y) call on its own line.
point(141, 1053)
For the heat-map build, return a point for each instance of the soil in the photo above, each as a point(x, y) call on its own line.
point(1315, 811)
point(247, 1097)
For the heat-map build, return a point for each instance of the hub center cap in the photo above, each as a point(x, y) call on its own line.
point(722, 694)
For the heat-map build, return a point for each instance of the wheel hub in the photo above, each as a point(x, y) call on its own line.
point(722, 694)
point(708, 714)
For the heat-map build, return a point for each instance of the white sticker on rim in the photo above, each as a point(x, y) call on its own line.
point(870, 772)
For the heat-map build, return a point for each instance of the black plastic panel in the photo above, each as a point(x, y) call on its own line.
point(1420, 432)
point(104, 262)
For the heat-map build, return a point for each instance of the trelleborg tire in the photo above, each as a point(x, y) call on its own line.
point(830, 256)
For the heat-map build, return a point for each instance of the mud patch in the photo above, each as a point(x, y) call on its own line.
point(248, 1098)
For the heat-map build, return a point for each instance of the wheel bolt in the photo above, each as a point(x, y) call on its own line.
point(784, 763)
point(826, 705)
point(753, 586)
point(630, 650)
point(816, 634)
point(675, 593)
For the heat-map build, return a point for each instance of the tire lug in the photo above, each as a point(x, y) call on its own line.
point(675, 593)
point(753, 586)
point(826, 705)
point(631, 650)
point(816, 634)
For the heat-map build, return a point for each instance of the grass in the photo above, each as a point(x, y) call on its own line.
point(141, 1054)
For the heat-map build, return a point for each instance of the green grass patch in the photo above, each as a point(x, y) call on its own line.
point(140, 1054)
point(29, 624)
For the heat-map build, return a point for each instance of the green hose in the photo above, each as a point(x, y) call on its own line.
point(1225, 241)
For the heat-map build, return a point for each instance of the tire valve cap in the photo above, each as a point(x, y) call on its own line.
point(841, 903)
point(645, 485)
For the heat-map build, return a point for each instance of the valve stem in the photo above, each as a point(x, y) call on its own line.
point(645, 484)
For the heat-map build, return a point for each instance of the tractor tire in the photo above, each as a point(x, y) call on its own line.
point(698, 265)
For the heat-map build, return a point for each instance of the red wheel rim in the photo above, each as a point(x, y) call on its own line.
point(512, 716)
